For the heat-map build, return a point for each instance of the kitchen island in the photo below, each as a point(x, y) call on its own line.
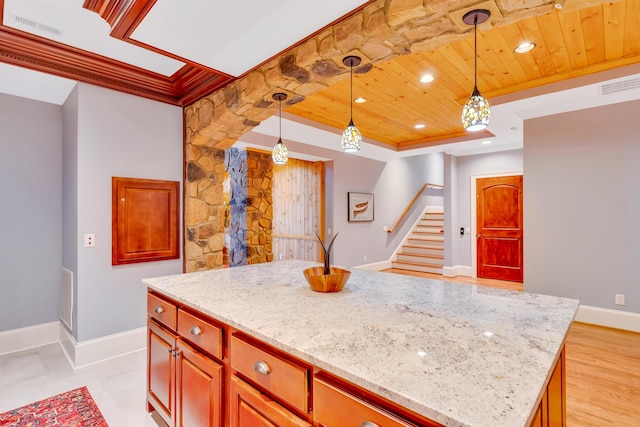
point(410, 348)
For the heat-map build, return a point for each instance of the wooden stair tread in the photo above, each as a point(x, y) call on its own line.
point(427, 236)
point(418, 264)
point(421, 255)
point(440, 248)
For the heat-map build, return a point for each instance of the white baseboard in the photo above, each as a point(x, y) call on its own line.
point(611, 318)
point(29, 337)
point(376, 266)
point(457, 270)
point(109, 347)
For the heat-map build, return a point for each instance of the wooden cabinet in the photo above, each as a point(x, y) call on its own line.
point(251, 408)
point(199, 378)
point(199, 391)
point(185, 384)
point(278, 376)
point(335, 407)
point(552, 410)
point(160, 371)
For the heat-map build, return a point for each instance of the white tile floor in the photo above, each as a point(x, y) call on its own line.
point(117, 386)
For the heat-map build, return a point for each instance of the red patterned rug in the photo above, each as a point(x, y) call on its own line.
point(74, 408)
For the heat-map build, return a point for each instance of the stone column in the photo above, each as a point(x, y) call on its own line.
point(204, 207)
point(250, 207)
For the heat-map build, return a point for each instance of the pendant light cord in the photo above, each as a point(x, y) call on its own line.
point(351, 91)
point(475, 52)
point(280, 114)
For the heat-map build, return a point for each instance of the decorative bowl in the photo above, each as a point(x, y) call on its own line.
point(320, 282)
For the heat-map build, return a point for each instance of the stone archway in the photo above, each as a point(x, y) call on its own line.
point(379, 32)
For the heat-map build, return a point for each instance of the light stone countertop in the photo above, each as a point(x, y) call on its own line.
point(461, 355)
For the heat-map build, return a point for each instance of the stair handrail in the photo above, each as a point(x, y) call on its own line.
point(408, 208)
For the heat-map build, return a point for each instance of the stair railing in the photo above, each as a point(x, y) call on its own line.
point(415, 199)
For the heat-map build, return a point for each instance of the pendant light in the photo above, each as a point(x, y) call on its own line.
point(476, 113)
point(280, 154)
point(351, 136)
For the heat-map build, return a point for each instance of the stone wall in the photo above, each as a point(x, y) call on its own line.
point(379, 32)
point(204, 207)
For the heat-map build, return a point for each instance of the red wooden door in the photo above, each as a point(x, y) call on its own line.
point(499, 228)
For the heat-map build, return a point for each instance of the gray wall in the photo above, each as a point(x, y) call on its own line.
point(70, 190)
point(30, 218)
point(582, 204)
point(467, 167)
point(117, 135)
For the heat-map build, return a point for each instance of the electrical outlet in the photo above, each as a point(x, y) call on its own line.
point(365, 257)
point(90, 240)
point(619, 299)
point(281, 256)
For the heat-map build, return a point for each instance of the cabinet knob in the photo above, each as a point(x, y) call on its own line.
point(261, 368)
point(368, 424)
point(159, 309)
point(195, 330)
point(176, 353)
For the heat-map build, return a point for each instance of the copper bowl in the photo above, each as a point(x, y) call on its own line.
point(320, 282)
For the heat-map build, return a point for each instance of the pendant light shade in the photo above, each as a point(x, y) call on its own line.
point(280, 154)
point(351, 137)
point(476, 112)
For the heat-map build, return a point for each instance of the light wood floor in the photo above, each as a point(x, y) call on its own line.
point(603, 368)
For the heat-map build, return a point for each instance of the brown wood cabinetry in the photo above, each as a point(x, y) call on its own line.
point(199, 389)
point(333, 406)
point(199, 378)
point(282, 378)
point(185, 384)
point(160, 370)
point(250, 408)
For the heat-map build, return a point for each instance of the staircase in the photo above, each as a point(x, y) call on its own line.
point(423, 250)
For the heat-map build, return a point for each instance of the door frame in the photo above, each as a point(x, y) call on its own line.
point(473, 205)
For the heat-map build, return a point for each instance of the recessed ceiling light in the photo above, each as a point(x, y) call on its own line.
point(486, 142)
point(426, 78)
point(419, 126)
point(360, 100)
point(525, 47)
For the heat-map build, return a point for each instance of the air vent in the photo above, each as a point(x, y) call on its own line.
point(25, 21)
point(49, 29)
point(621, 86)
point(40, 27)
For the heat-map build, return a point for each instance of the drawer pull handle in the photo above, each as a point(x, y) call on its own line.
point(368, 424)
point(159, 309)
point(261, 368)
point(195, 331)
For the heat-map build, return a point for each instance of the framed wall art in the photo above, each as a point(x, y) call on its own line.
point(360, 207)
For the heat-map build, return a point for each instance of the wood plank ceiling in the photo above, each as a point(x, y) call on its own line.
point(570, 42)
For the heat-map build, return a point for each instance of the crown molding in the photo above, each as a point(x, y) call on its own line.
point(188, 84)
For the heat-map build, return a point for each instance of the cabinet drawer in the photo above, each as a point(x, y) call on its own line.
point(250, 408)
point(162, 310)
point(335, 407)
point(284, 379)
point(201, 333)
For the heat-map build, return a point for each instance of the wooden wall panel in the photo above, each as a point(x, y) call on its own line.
point(298, 189)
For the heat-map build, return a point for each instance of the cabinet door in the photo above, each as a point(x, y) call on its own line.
point(250, 408)
point(160, 370)
point(199, 396)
